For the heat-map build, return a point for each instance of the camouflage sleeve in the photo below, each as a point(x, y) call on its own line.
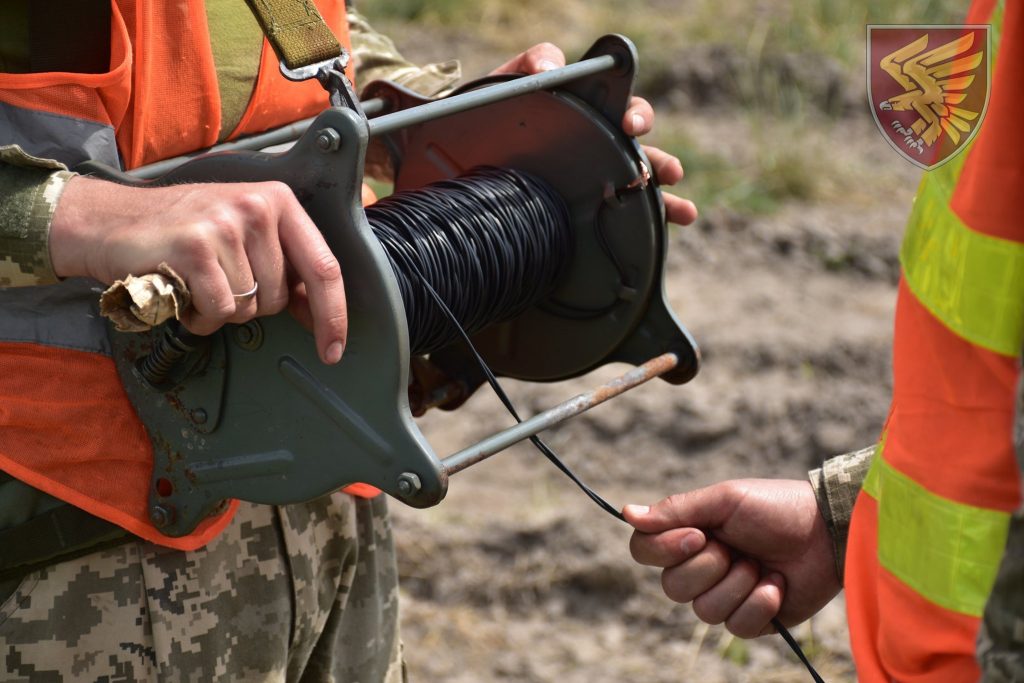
point(1001, 637)
point(377, 59)
point(836, 485)
point(29, 189)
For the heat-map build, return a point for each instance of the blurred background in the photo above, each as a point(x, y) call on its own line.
point(787, 280)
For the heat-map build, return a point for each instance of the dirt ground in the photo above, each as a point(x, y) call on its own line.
point(517, 576)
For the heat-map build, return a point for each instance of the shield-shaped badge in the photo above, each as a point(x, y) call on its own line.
point(928, 88)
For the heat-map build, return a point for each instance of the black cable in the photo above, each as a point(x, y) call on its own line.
point(482, 248)
point(593, 495)
point(795, 647)
point(491, 243)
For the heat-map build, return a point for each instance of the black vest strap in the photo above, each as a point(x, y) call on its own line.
point(60, 534)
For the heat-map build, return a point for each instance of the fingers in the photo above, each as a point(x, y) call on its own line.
point(319, 271)
point(223, 239)
point(678, 210)
point(212, 301)
point(267, 263)
point(669, 170)
point(666, 167)
point(258, 236)
point(541, 57)
point(298, 306)
point(281, 238)
point(704, 508)
point(754, 615)
point(367, 195)
point(666, 549)
point(685, 582)
point(215, 295)
point(242, 281)
point(726, 591)
point(639, 118)
point(718, 602)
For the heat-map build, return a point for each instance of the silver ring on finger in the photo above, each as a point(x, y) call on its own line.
point(247, 295)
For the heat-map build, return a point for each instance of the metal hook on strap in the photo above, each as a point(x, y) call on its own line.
point(306, 46)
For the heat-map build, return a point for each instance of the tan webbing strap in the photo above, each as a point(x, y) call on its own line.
point(296, 31)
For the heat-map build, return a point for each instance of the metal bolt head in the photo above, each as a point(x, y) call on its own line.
point(409, 484)
point(199, 416)
point(328, 140)
point(249, 335)
point(161, 516)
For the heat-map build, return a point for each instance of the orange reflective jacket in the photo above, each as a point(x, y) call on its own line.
point(931, 522)
point(66, 426)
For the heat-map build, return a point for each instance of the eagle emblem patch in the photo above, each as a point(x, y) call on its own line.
point(928, 88)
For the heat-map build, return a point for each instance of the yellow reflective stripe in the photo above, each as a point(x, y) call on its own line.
point(947, 552)
point(972, 282)
point(995, 21)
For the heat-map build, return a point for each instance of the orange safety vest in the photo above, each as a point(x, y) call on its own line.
point(931, 521)
point(66, 426)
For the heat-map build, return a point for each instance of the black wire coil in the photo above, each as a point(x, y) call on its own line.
point(479, 249)
point(491, 243)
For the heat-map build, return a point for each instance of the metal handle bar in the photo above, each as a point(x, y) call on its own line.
point(389, 123)
point(546, 80)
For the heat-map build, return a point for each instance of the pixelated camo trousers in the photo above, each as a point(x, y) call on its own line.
point(296, 593)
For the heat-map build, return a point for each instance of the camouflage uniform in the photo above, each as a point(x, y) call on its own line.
point(29, 189)
point(1001, 641)
point(1001, 638)
point(836, 484)
point(299, 593)
point(304, 592)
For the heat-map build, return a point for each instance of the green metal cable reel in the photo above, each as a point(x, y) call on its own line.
point(251, 413)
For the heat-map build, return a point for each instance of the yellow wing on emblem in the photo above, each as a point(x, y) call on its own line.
point(934, 81)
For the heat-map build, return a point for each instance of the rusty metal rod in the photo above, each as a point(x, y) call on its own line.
point(563, 411)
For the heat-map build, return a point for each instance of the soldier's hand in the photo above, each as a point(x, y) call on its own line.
point(222, 238)
point(742, 551)
point(638, 121)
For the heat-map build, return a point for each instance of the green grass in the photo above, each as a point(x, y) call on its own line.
point(418, 10)
point(778, 166)
point(787, 114)
point(838, 28)
point(810, 27)
point(736, 651)
point(661, 28)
